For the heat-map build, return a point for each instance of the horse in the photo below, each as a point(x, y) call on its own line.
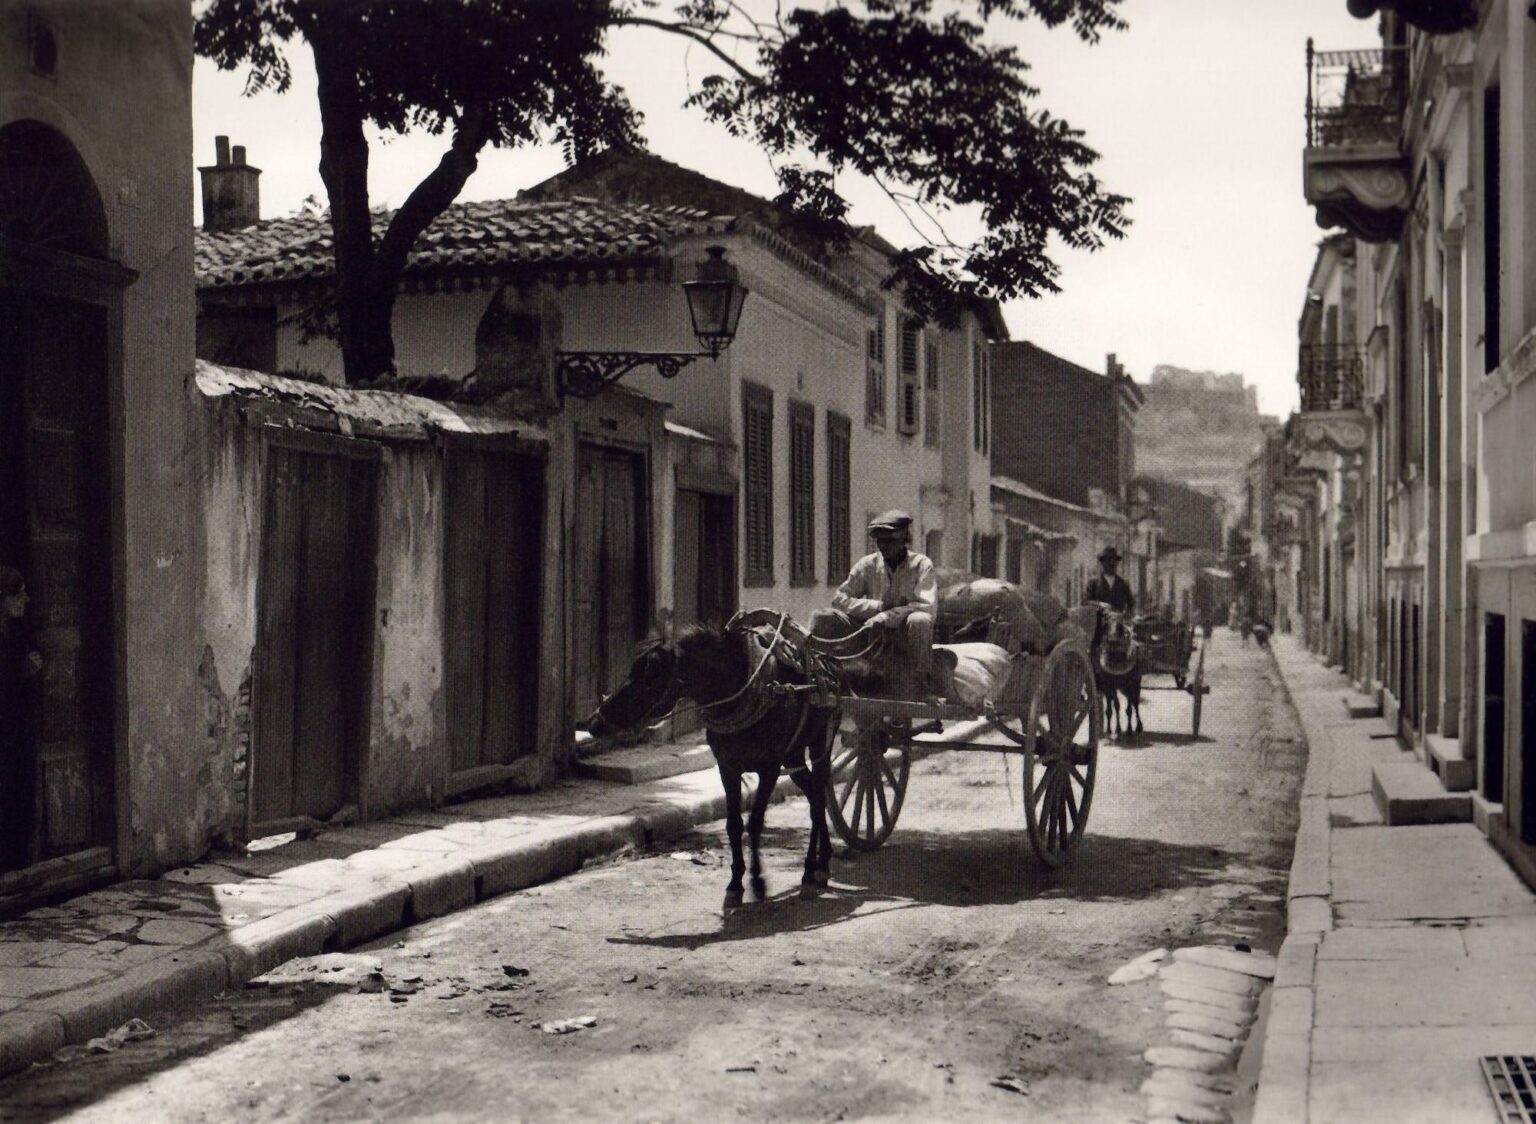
point(1117, 668)
point(755, 722)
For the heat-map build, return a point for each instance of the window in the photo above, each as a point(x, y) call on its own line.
point(931, 395)
point(1493, 707)
point(981, 398)
point(908, 406)
point(874, 372)
point(1491, 230)
point(839, 532)
point(1528, 732)
point(757, 474)
point(802, 494)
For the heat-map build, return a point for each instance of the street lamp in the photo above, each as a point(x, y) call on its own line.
point(714, 306)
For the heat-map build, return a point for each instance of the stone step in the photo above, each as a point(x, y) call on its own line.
point(1359, 705)
point(1408, 793)
point(638, 764)
point(1456, 772)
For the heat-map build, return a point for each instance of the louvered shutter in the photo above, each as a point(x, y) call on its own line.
point(908, 390)
point(931, 396)
point(757, 473)
point(802, 494)
point(839, 532)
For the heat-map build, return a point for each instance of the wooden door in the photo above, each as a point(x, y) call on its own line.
point(493, 570)
point(704, 566)
point(56, 758)
point(611, 570)
point(314, 633)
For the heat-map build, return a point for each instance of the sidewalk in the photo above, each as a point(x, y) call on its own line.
point(1412, 950)
point(72, 972)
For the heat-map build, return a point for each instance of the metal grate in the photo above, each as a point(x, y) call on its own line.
point(1512, 1081)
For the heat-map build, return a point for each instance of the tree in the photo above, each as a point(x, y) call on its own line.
point(899, 91)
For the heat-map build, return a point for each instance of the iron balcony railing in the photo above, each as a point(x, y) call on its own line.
point(1355, 97)
point(1331, 377)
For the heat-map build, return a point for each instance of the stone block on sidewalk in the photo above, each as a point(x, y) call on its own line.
point(370, 912)
point(1182, 1057)
point(1235, 1029)
point(440, 887)
point(1457, 772)
point(1408, 793)
point(257, 948)
point(28, 1036)
point(91, 1011)
point(1210, 997)
point(639, 764)
point(1309, 915)
point(1360, 705)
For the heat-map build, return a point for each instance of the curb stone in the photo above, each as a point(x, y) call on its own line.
point(33, 1031)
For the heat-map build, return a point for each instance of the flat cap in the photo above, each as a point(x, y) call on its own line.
point(893, 522)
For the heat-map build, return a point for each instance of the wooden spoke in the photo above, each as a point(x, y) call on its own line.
point(1062, 739)
point(876, 774)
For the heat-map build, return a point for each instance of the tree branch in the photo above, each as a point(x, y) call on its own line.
point(431, 197)
point(690, 34)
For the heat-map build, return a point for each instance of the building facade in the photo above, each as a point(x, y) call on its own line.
point(1423, 152)
point(744, 480)
point(1068, 434)
point(114, 770)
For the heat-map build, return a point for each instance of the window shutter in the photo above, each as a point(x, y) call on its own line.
point(931, 393)
point(802, 494)
point(908, 403)
point(757, 473)
point(874, 372)
point(839, 532)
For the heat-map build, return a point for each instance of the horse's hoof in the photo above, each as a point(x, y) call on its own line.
point(823, 877)
point(759, 889)
point(809, 891)
point(733, 899)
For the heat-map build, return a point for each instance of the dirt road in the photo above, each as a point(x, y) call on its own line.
point(947, 976)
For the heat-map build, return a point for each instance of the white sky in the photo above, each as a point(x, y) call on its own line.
point(1197, 112)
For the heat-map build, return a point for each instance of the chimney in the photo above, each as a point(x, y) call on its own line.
point(231, 193)
point(1112, 366)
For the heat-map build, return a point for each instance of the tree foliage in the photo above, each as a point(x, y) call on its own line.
point(908, 93)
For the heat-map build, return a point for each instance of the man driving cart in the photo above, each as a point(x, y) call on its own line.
point(893, 588)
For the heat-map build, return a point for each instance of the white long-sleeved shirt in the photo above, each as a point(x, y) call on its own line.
point(873, 587)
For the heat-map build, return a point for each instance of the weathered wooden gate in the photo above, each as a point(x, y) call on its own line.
point(611, 586)
point(493, 526)
point(314, 632)
point(56, 751)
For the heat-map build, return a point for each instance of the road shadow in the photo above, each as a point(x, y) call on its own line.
point(963, 868)
point(1147, 739)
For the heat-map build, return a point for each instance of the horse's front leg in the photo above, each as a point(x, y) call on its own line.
point(765, 784)
point(731, 779)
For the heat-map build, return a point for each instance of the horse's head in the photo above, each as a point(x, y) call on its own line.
point(650, 690)
point(1117, 641)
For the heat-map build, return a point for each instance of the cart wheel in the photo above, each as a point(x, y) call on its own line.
point(1061, 753)
point(868, 784)
point(1198, 688)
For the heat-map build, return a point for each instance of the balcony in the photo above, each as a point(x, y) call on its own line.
point(1332, 417)
point(1331, 376)
point(1353, 171)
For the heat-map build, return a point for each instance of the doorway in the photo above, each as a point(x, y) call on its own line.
point(704, 573)
point(314, 631)
point(611, 588)
point(56, 741)
point(493, 535)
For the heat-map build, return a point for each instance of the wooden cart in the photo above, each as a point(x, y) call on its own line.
point(1166, 649)
point(1048, 714)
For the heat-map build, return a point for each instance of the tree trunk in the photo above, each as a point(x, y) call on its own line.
point(363, 307)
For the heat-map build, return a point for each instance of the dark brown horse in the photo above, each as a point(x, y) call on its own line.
point(1117, 668)
point(760, 717)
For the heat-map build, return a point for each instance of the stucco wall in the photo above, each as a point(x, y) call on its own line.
point(121, 96)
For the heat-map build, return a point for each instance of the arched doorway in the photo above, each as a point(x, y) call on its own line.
point(58, 294)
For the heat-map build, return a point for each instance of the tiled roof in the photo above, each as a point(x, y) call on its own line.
point(467, 235)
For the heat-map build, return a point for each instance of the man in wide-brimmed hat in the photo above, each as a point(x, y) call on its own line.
point(892, 588)
point(1109, 587)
